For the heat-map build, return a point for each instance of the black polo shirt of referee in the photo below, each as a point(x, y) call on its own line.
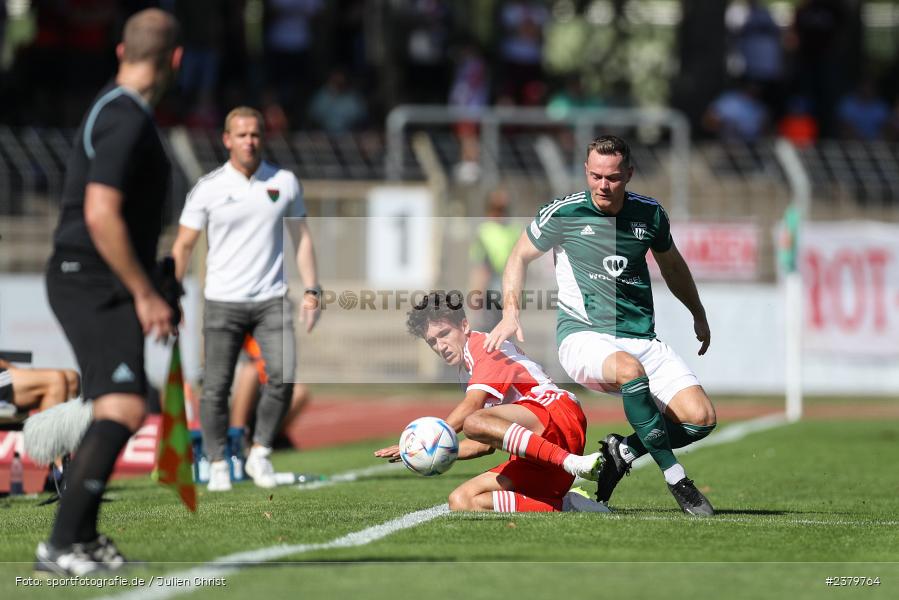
point(118, 145)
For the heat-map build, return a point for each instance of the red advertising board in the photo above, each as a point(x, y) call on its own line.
point(716, 251)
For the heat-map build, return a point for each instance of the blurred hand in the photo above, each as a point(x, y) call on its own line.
point(505, 329)
point(391, 453)
point(703, 333)
point(155, 316)
point(310, 311)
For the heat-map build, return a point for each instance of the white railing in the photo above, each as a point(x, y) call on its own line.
point(583, 123)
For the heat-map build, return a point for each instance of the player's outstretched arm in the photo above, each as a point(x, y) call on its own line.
point(469, 449)
point(514, 276)
point(680, 281)
point(474, 400)
point(310, 310)
point(182, 249)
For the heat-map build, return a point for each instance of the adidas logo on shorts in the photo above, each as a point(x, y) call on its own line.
point(122, 374)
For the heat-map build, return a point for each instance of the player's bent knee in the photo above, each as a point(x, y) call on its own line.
point(708, 420)
point(459, 499)
point(626, 368)
point(474, 427)
point(698, 414)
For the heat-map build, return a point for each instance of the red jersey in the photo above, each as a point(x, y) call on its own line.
point(506, 374)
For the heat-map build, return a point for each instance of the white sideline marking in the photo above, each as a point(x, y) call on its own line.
point(233, 562)
point(349, 476)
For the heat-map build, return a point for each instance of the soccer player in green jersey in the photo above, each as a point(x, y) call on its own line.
point(606, 322)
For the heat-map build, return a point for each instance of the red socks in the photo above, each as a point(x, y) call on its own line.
point(526, 443)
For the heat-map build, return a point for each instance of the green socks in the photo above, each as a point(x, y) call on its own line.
point(648, 423)
point(679, 435)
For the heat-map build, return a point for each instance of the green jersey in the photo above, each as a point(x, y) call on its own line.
point(600, 262)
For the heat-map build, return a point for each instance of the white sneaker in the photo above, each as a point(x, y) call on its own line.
point(219, 477)
point(585, 467)
point(260, 468)
point(65, 562)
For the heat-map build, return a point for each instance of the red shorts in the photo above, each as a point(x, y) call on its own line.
point(564, 424)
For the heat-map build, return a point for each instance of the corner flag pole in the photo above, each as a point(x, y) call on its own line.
point(794, 216)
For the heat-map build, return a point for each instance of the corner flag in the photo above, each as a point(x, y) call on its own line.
point(174, 457)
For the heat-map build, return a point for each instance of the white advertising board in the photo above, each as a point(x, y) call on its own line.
point(850, 273)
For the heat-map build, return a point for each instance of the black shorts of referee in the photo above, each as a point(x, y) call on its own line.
point(97, 314)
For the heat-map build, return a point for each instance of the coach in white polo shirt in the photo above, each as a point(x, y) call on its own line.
point(241, 205)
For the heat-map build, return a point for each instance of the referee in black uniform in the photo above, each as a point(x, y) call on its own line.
point(99, 277)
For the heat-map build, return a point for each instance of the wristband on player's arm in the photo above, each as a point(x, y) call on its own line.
point(315, 290)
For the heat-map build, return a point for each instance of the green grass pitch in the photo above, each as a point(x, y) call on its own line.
point(797, 504)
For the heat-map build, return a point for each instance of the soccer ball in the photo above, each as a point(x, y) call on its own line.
point(429, 446)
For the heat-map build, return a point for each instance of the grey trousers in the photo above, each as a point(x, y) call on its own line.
point(224, 328)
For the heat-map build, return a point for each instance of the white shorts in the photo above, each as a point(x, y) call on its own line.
point(583, 353)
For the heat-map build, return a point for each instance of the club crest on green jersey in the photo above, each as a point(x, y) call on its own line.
point(639, 230)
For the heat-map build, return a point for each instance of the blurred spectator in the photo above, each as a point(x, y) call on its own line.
point(240, 64)
point(815, 39)
point(521, 47)
point(571, 96)
point(862, 114)
point(89, 51)
point(470, 89)
point(758, 50)
point(488, 254)
point(203, 35)
point(250, 17)
point(426, 58)
point(2, 34)
point(471, 84)
point(288, 42)
point(5, 60)
point(621, 95)
point(798, 124)
point(336, 107)
point(350, 30)
point(893, 130)
point(273, 114)
point(737, 114)
point(42, 68)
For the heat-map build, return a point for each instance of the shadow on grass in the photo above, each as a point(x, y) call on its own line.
point(756, 512)
point(718, 512)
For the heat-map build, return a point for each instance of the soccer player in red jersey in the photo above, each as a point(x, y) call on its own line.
point(510, 404)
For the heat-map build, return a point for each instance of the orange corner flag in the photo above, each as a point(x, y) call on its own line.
point(174, 457)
